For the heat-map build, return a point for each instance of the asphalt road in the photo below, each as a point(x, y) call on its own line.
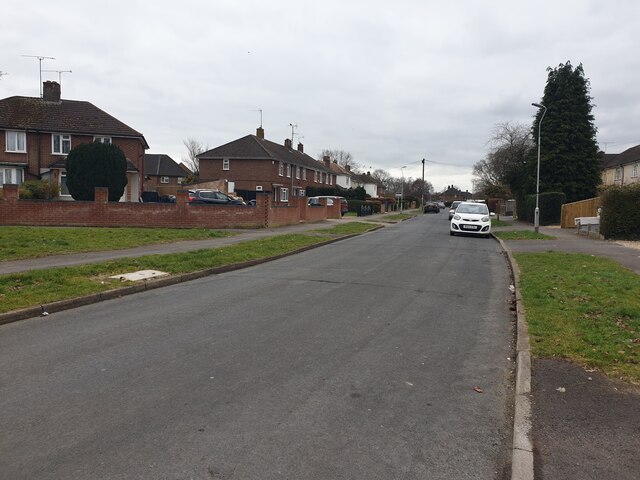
point(385, 356)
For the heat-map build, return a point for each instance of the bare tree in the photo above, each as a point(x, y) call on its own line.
point(505, 164)
point(382, 177)
point(344, 159)
point(194, 148)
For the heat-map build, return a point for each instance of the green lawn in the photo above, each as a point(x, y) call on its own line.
point(583, 308)
point(32, 242)
point(521, 235)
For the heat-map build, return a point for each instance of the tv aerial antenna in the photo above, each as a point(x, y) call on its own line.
point(293, 127)
point(2, 74)
point(59, 72)
point(40, 58)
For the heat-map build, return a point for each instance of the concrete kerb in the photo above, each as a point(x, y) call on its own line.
point(45, 309)
point(522, 450)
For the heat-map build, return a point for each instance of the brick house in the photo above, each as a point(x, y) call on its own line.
point(37, 133)
point(163, 174)
point(253, 164)
point(452, 193)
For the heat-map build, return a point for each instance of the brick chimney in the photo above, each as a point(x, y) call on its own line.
point(348, 168)
point(300, 147)
point(287, 143)
point(51, 91)
point(327, 161)
point(260, 132)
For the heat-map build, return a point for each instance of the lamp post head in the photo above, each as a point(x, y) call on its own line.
point(539, 105)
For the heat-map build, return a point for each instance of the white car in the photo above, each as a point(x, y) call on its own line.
point(472, 218)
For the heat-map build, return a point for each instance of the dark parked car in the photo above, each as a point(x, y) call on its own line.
point(431, 207)
point(151, 196)
point(212, 197)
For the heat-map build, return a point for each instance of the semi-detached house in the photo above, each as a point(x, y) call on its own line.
point(36, 134)
point(252, 164)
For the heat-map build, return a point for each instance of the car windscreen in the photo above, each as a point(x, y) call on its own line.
point(479, 209)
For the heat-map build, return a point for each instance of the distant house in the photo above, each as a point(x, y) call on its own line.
point(452, 193)
point(37, 133)
point(365, 181)
point(253, 164)
point(163, 174)
point(343, 175)
point(622, 168)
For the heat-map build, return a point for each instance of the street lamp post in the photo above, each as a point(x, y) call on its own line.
point(402, 188)
point(536, 220)
point(423, 184)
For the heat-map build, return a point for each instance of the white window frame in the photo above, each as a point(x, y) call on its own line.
point(105, 140)
point(12, 143)
point(284, 194)
point(315, 176)
point(288, 170)
point(281, 169)
point(63, 137)
point(165, 179)
point(11, 175)
point(298, 168)
point(634, 170)
point(225, 164)
point(304, 173)
point(618, 174)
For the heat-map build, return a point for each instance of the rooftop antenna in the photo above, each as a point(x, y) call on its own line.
point(607, 143)
point(260, 110)
point(2, 74)
point(40, 58)
point(59, 72)
point(292, 131)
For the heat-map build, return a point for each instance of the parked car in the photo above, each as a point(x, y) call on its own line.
point(431, 207)
point(344, 205)
point(151, 196)
point(212, 197)
point(452, 208)
point(472, 218)
point(441, 205)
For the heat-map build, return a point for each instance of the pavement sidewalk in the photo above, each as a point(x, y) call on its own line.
point(585, 425)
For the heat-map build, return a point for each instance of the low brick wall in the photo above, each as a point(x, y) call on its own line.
point(182, 214)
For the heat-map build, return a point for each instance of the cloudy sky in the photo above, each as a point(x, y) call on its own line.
point(391, 82)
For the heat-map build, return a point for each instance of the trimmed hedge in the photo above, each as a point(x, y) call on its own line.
point(550, 204)
point(620, 214)
point(356, 206)
point(39, 189)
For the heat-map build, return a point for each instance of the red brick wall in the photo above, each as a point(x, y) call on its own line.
point(102, 213)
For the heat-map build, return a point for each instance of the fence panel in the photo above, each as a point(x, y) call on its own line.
point(583, 208)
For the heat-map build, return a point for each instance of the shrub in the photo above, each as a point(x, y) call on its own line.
point(620, 214)
point(550, 204)
point(39, 189)
point(356, 206)
point(92, 165)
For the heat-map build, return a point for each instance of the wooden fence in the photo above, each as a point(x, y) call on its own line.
point(583, 208)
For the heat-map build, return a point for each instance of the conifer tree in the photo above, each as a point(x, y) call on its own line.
point(569, 160)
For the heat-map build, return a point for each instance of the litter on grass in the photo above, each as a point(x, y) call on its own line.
point(139, 275)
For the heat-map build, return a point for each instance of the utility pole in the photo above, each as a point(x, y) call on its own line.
point(423, 184)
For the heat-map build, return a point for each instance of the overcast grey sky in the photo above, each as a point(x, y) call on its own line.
point(392, 82)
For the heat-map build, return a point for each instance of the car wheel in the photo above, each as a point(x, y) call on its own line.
point(451, 233)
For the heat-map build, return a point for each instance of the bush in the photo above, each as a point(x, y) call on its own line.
point(92, 165)
point(550, 204)
point(39, 189)
point(356, 206)
point(620, 214)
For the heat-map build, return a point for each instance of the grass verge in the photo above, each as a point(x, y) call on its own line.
point(521, 235)
point(583, 308)
point(399, 216)
point(349, 228)
point(38, 287)
point(499, 223)
point(33, 242)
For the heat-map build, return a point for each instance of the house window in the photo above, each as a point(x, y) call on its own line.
point(284, 194)
point(180, 179)
point(225, 164)
point(16, 142)
point(10, 176)
point(64, 190)
point(60, 144)
point(106, 140)
point(281, 169)
point(315, 176)
point(164, 179)
point(618, 174)
point(304, 173)
point(289, 170)
point(634, 170)
point(298, 173)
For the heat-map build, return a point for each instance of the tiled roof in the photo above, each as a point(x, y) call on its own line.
point(630, 155)
point(252, 147)
point(65, 116)
point(163, 165)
